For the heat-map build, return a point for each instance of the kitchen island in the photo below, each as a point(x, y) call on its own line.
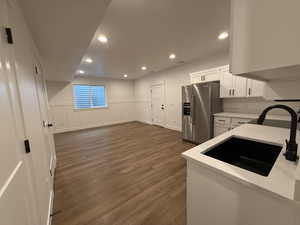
point(219, 193)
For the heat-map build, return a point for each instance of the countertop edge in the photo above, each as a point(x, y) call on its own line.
point(249, 180)
point(251, 116)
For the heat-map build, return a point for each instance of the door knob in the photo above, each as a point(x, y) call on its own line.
point(50, 125)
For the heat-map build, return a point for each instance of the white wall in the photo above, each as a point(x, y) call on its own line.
point(120, 98)
point(174, 79)
point(131, 100)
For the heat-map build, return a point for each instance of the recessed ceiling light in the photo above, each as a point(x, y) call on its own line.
point(144, 68)
point(81, 72)
point(125, 75)
point(88, 60)
point(223, 35)
point(172, 56)
point(102, 38)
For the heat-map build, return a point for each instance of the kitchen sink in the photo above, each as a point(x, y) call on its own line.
point(250, 155)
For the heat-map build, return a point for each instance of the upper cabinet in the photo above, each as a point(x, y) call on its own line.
point(255, 88)
point(232, 86)
point(206, 75)
point(265, 39)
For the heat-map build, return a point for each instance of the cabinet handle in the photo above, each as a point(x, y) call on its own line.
point(221, 120)
point(229, 92)
point(249, 91)
point(233, 92)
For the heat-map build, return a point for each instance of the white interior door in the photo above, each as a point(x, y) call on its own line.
point(23, 62)
point(15, 205)
point(158, 104)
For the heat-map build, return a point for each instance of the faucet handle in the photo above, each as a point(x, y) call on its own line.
point(291, 151)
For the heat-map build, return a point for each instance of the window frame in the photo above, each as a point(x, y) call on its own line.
point(93, 107)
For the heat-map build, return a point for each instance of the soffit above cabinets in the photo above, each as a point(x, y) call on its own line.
point(264, 39)
point(145, 33)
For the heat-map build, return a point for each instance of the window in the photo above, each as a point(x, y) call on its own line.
point(89, 96)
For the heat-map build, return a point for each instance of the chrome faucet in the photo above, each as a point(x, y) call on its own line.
point(291, 145)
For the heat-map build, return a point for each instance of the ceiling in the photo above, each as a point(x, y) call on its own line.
point(62, 30)
point(144, 33)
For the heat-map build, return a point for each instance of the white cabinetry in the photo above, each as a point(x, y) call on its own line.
point(221, 125)
point(206, 75)
point(237, 87)
point(264, 39)
point(232, 86)
point(213, 198)
point(224, 124)
point(255, 88)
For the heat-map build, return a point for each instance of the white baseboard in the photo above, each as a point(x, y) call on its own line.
point(166, 126)
point(63, 130)
point(173, 128)
point(146, 122)
point(50, 208)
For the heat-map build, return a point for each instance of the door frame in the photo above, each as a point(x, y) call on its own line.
point(160, 83)
point(43, 96)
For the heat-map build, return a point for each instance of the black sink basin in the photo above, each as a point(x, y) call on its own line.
point(250, 155)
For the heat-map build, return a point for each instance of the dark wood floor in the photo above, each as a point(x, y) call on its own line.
point(129, 174)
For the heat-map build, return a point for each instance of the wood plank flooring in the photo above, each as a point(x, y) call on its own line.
point(129, 174)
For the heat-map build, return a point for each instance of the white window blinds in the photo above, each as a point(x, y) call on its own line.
point(89, 96)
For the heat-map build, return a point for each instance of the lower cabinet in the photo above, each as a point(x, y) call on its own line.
point(220, 130)
point(215, 199)
point(224, 124)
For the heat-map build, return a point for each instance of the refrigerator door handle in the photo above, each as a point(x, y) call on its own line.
point(193, 109)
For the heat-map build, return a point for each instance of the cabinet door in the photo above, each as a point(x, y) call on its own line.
point(255, 88)
point(239, 86)
point(205, 76)
point(211, 75)
point(226, 85)
point(220, 130)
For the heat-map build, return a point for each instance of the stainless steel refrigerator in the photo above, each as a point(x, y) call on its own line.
point(199, 103)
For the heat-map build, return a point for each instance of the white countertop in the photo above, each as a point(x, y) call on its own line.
point(251, 116)
point(283, 175)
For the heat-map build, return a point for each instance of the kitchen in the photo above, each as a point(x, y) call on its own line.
point(134, 112)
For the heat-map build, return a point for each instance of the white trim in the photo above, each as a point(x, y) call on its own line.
point(146, 122)
point(50, 208)
point(173, 128)
point(63, 130)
